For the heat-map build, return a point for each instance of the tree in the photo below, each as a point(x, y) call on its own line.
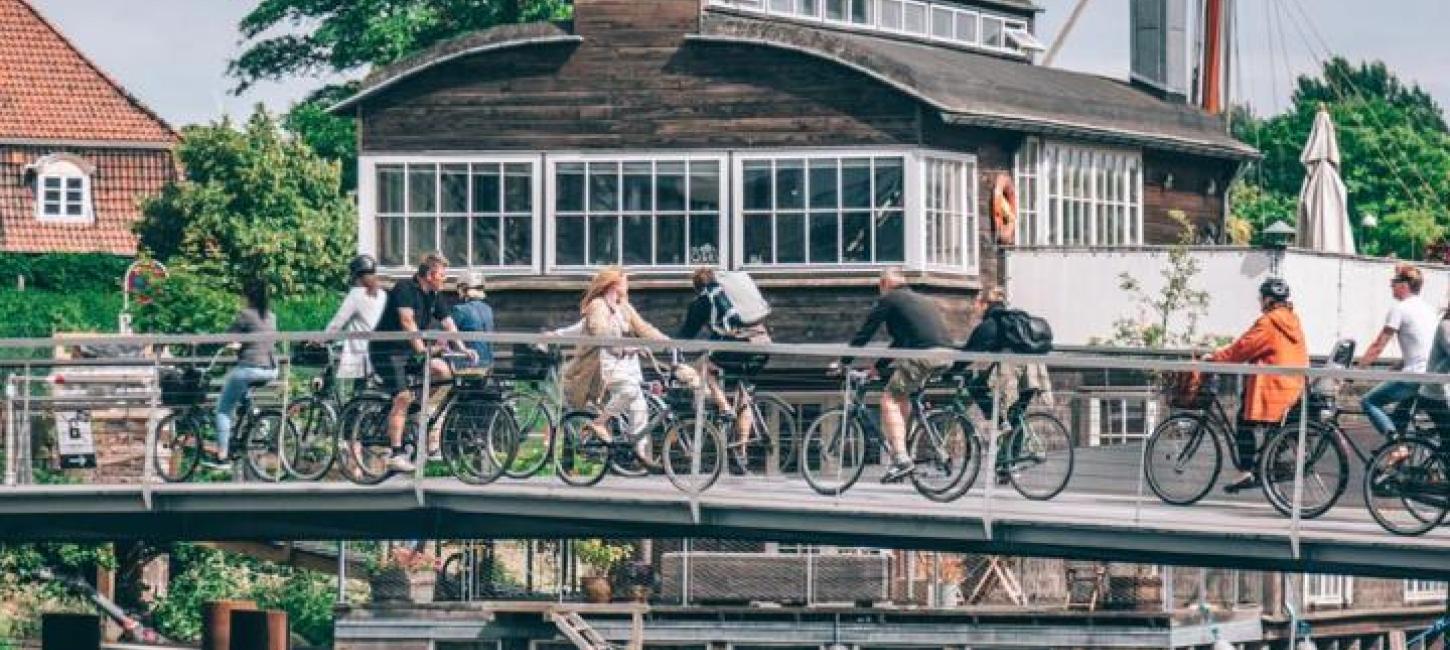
point(331, 136)
point(1168, 319)
point(255, 203)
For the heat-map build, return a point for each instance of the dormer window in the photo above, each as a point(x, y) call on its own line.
point(62, 189)
point(933, 21)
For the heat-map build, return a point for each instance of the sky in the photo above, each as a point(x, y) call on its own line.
point(173, 54)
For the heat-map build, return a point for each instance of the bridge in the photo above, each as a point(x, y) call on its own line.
point(1106, 513)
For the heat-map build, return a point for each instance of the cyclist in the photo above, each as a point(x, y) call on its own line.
point(360, 312)
point(611, 376)
point(711, 309)
point(914, 323)
point(411, 305)
point(1275, 339)
point(1412, 322)
point(474, 314)
point(1433, 397)
point(256, 363)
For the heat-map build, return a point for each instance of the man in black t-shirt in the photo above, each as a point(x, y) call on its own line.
point(412, 304)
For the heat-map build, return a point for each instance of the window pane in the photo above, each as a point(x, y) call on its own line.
point(891, 237)
point(74, 184)
point(824, 180)
point(915, 18)
point(856, 183)
point(670, 188)
point(757, 239)
point(824, 230)
point(967, 27)
point(890, 14)
point(518, 241)
point(890, 178)
point(603, 240)
point(518, 193)
point(670, 249)
point(638, 187)
point(603, 187)
point(638, 240)
point(485, 191)
point(861, 11)
point(783, 6)
point(789, 184)
point(422, 237)
point(836, 9)
point(757, 186)
point(75, 209)
point(790, 245)
point(705, 186)
point(941, 22)
point(51, 182)
point(390, 189)
point(455, 188)
point(856, 236)
point(485, 241)
point(991, 31)
point(390, 241)
point(569, 241)
point(810, 8)
point(570, 190)
point(455, 240)
point(422, 188)
point(704, 239)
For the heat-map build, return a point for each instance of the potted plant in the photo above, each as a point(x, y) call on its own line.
point(601, 557)
point(403, 575)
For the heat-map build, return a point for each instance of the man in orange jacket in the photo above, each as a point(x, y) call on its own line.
point(1275, 339)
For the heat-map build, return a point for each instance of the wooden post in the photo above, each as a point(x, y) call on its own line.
point(254, 630)
point(70, 632)
point(216, 622)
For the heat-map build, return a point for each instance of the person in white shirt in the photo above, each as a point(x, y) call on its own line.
point(1412, 322)
point(359, 312)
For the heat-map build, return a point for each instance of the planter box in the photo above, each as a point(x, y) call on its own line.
point(770, 578)
point(400, 586)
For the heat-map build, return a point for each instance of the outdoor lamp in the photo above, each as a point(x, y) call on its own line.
point(1279, 235)
point(1369, 221)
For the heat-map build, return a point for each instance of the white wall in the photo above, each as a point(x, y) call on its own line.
point(1337, 297)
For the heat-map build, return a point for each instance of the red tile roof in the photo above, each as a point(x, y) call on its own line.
point(50, 91)
point(122, 179)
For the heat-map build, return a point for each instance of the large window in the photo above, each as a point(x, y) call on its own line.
point(1079, 196)
point(1424, 591)
point(1328, 591)
point(661, 212)
point(477, 213)
point(823, 210)
point(62, 189)
point(949, 205)
point(937, 21)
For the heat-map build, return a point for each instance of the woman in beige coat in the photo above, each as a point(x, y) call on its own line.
point(610, 376)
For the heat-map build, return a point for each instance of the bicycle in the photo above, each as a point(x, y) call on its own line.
point(583, 454)
point(1412, 474)
point(475, 448)
point(834, 450)
point(534, 411)
point(1184, 456)
point(311, 450)
point(773, 425)
point(1034, 442)
point(182, 435)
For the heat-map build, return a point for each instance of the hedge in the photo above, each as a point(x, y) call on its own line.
point(63, 271)
point(39, 314)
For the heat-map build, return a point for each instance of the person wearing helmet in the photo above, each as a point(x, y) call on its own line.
point(1275, 339)
point(473, 314)
point(360, 311)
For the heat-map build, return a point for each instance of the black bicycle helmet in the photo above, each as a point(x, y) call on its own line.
point(1275, 288)
point(362, 265)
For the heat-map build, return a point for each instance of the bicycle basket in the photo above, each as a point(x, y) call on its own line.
point(531, 364)
point(1190, 390)
point(185, 386)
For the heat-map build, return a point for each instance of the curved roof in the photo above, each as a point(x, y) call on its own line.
point(488, 40)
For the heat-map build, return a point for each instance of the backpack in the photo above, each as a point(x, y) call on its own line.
point(1024, 333)
point(736, 304)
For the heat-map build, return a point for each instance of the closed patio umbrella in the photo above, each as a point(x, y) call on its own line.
point(1323, 203)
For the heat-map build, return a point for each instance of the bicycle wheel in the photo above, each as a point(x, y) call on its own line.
point(479, 441)
point(641, 459)
point(1326, 470)
point(309, 447)
point(581, 457)
point(773, 432)
point(1182, 460)
point(178, 446)
point(365, 448)
point(679, 455)
point(833, 453)
point(1407, 487)
point(534, 426)
point(947, 454)
point(1038, 456)
point(261, 441)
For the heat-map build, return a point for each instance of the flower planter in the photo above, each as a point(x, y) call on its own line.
point(396, 585)
point(596, 589)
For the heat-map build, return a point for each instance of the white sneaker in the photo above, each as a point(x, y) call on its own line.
point(400, 463)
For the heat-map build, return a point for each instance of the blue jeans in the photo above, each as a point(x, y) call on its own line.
point(233, 388)
point(1390, 392)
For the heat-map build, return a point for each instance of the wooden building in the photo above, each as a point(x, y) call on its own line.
point(809, 142)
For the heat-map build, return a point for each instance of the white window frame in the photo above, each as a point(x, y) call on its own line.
point(368, 232)
point(876, 13)
point(1105, 431)
point(1425, 591)
point(62, 171)
point(1328, 590)
point(1082, 195)
point(553, 160)
point(968, 241)
point(911, 207)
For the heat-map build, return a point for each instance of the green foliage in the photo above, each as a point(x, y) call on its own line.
point(1258, 207)
point(307, 313)
point(331, 136)
point(1394, 148)
point(343, 36)
point(203, 574)
point(255, 203)
point(188, 301)
point(63, 271)
point(601, 554)
point(1168, 319)
point(39, 314)
point(24, 596)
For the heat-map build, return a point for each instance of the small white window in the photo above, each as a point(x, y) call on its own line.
point(1424, 591)
point(1328, 591)
point(1023, 39)
point(62, 189)
point(992, 29)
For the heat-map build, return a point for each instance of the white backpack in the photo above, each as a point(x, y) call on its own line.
point(747, 308)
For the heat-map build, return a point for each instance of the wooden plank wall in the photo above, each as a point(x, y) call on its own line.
point(1192, 180)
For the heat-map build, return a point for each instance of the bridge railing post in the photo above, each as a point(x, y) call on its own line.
point(25, 466)
point(989, 464)
point(153, 421)
point(702, 366)
point(420, 441)
point(10, 434)
point(1298, 470)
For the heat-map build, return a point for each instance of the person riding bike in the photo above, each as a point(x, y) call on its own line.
point(411, 304)
point(711, 311)
point(256, 363)
point(1275, 339)
point(1016, 382)
point(611, 376)
point(1412, 324)
point(359, 313)
point(474, 314)
point(914, 323)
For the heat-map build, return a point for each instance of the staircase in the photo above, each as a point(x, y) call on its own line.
point(576, 629)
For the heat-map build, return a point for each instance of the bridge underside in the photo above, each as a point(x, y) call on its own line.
point(1102, 527)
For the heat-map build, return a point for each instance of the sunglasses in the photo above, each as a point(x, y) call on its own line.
point(1396, 280)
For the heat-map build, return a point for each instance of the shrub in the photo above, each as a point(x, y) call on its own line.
point(63, 271)
point(38, 314)
point(188, 301)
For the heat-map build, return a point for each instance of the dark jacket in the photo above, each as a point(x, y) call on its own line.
point(912, 320)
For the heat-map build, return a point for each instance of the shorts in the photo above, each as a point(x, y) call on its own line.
point(909, 376)
point(391, 369)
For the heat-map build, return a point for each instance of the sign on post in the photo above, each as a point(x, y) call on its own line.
point(76, 440)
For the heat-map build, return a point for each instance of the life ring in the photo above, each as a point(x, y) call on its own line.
point(1004, 209)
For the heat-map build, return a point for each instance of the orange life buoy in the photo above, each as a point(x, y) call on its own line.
point(1004, 209)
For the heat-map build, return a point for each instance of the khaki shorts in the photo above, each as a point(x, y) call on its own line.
point(910, 375)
